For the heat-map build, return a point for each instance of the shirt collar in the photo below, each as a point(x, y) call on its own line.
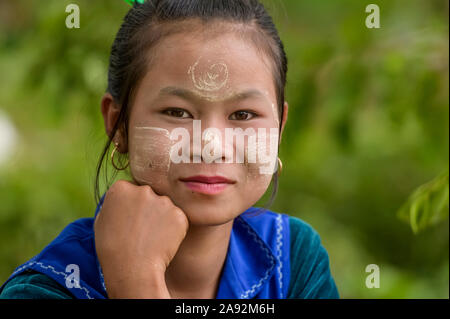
point(249, 263)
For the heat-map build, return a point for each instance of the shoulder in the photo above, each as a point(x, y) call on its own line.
point(34, 285)
point(303, 236)
point(310, 270)
point(300, 228)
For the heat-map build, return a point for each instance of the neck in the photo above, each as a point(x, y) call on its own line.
point(195, 270)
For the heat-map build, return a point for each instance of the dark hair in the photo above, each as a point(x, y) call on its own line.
point(146, 24)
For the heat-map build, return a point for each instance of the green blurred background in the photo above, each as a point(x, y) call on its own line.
point(368, 124)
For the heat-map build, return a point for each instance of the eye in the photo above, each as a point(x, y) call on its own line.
point(242, 115)
point(175, 112)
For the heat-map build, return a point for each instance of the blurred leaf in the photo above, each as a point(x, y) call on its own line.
point(428, 204)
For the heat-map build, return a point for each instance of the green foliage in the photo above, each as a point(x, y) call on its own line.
point(428, 204)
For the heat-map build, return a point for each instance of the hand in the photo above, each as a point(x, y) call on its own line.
point(137, 234)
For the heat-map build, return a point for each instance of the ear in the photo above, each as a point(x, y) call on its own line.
point(284, 119)
point(110, 111)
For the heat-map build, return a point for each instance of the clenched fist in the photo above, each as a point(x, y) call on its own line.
point(137, 234)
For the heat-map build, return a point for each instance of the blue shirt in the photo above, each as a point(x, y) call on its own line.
point(270, 255)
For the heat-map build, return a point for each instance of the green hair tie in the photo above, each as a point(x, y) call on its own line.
point(131, 2)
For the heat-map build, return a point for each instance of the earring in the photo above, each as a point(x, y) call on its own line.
point(280, 166)
point(112, 159)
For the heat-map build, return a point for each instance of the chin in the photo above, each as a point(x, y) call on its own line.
point(212, 213)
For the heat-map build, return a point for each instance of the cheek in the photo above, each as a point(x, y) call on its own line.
point(260, 164)
point(261, 154)
point(149, 150)
point(256, 185)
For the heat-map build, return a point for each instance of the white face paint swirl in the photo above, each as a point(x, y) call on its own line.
point(211, 78)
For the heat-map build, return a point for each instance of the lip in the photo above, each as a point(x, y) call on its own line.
point(210, 185)
point(207, 179)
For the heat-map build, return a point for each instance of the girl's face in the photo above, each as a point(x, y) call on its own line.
point(213, 85)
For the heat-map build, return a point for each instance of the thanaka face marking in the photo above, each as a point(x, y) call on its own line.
point(211, 78)
point(149, 153)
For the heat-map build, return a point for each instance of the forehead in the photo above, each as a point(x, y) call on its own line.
point(213, 65)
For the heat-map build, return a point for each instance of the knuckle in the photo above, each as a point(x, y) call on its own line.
point(180, 217)
point(166, 201)
point(146, 190)
point(121, 182)
point(119, 185)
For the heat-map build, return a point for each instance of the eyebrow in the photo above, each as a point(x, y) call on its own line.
point(192, 95)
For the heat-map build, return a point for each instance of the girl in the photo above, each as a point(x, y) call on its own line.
point(184, 75)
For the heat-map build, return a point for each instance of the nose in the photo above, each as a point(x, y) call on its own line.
point(209, 143)
point(213, 145)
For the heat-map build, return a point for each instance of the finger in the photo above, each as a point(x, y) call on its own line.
point(134, 182)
